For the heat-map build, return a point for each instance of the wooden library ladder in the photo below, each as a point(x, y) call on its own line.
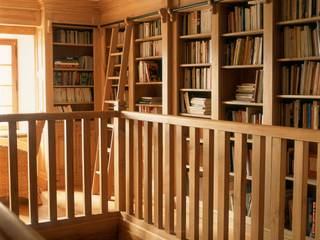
point(113, 78)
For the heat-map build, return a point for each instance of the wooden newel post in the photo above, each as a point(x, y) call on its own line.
point(119, 161)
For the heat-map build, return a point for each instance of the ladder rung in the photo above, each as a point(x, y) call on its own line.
point(116, 54)
point(111, 101)
point(98, 172)
point(117, 65)
point(114, 78)
point(109, 150)
point(109, 125)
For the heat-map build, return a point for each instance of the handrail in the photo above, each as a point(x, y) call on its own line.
point(11, 228)
point(265, 130)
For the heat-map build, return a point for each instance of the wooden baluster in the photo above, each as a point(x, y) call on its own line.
point(279, 151)
point(194, 176)
point(32, 172)
point(52, 168)
point(169, 177)
point(258, 187)
point(158, 175)
point(181, 179)
point(318, 194)
point(138, 167)
point(208, 178)
point(240, 183)
point(147, 160)
point(300, 189)
point(119, 164)
point(68, 164)
point(223, 160)
point(129, 166)
point(86, 167)
point(13, 168)
point(103, 164)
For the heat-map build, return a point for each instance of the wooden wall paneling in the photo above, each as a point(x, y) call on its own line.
point(277, 205)
point(300, 189)
point(20, 16)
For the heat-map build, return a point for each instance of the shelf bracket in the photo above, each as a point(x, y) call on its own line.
point(171, 15)
point(163, 14)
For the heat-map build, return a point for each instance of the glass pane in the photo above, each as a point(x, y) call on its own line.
point(5, 110)
point(5, 75)
point(5, 96)
point(5, 54)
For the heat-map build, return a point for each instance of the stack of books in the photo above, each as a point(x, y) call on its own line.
point(197, 52)
point(72, 36)
point(68, 63)
point(150, 100)
point(301, 79)
point(199, 106)
point(197, 78)
point(245, 18)
point(197, 22)
point(151, 48)
point(244, 51)
point(251, 92)
point(149, 71)
point(301, 41)
point(295, 9)
point(149, 29)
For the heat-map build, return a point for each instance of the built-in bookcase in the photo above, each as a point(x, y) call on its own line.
point(147, 58)
point(298, 64)
point(242, 64)
point(73, 68)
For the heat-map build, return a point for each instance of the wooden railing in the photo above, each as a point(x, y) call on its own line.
point(169, 156)
point(69, 120)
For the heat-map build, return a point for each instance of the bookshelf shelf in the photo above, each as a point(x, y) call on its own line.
point(74, 103)
point(311, 182)
point(242, 103)
point(149, 58)
point(72, 45)
point(196, 36)
point(194, 90)
point(73, 86)
point(299, 59)
point(116, 85)
point(148, 83)
point(299, 21)
point(188, 65)
point(148, 105)
point(242, 34)
point(195, 115)
point(241, 66)
point(72, 70)
point(233, 1)
point(298, 97)
point(148, 39)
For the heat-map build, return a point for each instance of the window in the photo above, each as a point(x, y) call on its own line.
point(8, 76)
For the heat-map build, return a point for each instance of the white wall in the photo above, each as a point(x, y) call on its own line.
point(26, 72)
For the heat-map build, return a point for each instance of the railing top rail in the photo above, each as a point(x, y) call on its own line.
point(308, 135)
point(13, 228)
point(56, 116)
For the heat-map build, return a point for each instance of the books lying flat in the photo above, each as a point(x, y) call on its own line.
point(301, 79)
point(196, 78)
point(151, 48)
point(244, 51)
point(196, 105)
point(150, 100)
point(196, 22)
point(83, 62)
point(149, 71)
point(300, 114)
point(72, 36)
point(245, 18)
point(197, 52)
point(72, 95)
point(301, 41)
point(149, 29)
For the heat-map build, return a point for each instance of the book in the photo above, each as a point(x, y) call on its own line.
point(197, 52)
point(196, 22)
point(149, 29)
point(149, 71)
point(196, 78)
point(150, 48)
point(72, 95)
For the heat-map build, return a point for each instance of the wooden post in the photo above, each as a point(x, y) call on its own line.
point(129, 166)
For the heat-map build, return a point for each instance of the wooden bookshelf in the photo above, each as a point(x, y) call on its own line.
point(73, 67)
point(243, 103)
point(244, 33)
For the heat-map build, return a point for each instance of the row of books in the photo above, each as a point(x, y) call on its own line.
point(149, 29)
point(151, 48)
point(149, 71)
point(247, 115)
point(295, 9)
point(300, 114)
point(301, 41)
point(244, 51)
point(82, 62)
point(72, 95)
point(251, 92)
point(197, 52)
point(72, 36)
point(196, 22)
point(301, 79)
point(148, 109)
point(196, 78)
point(245, 18)
point(72, 78)
point(195, 105)
point(61, 109)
